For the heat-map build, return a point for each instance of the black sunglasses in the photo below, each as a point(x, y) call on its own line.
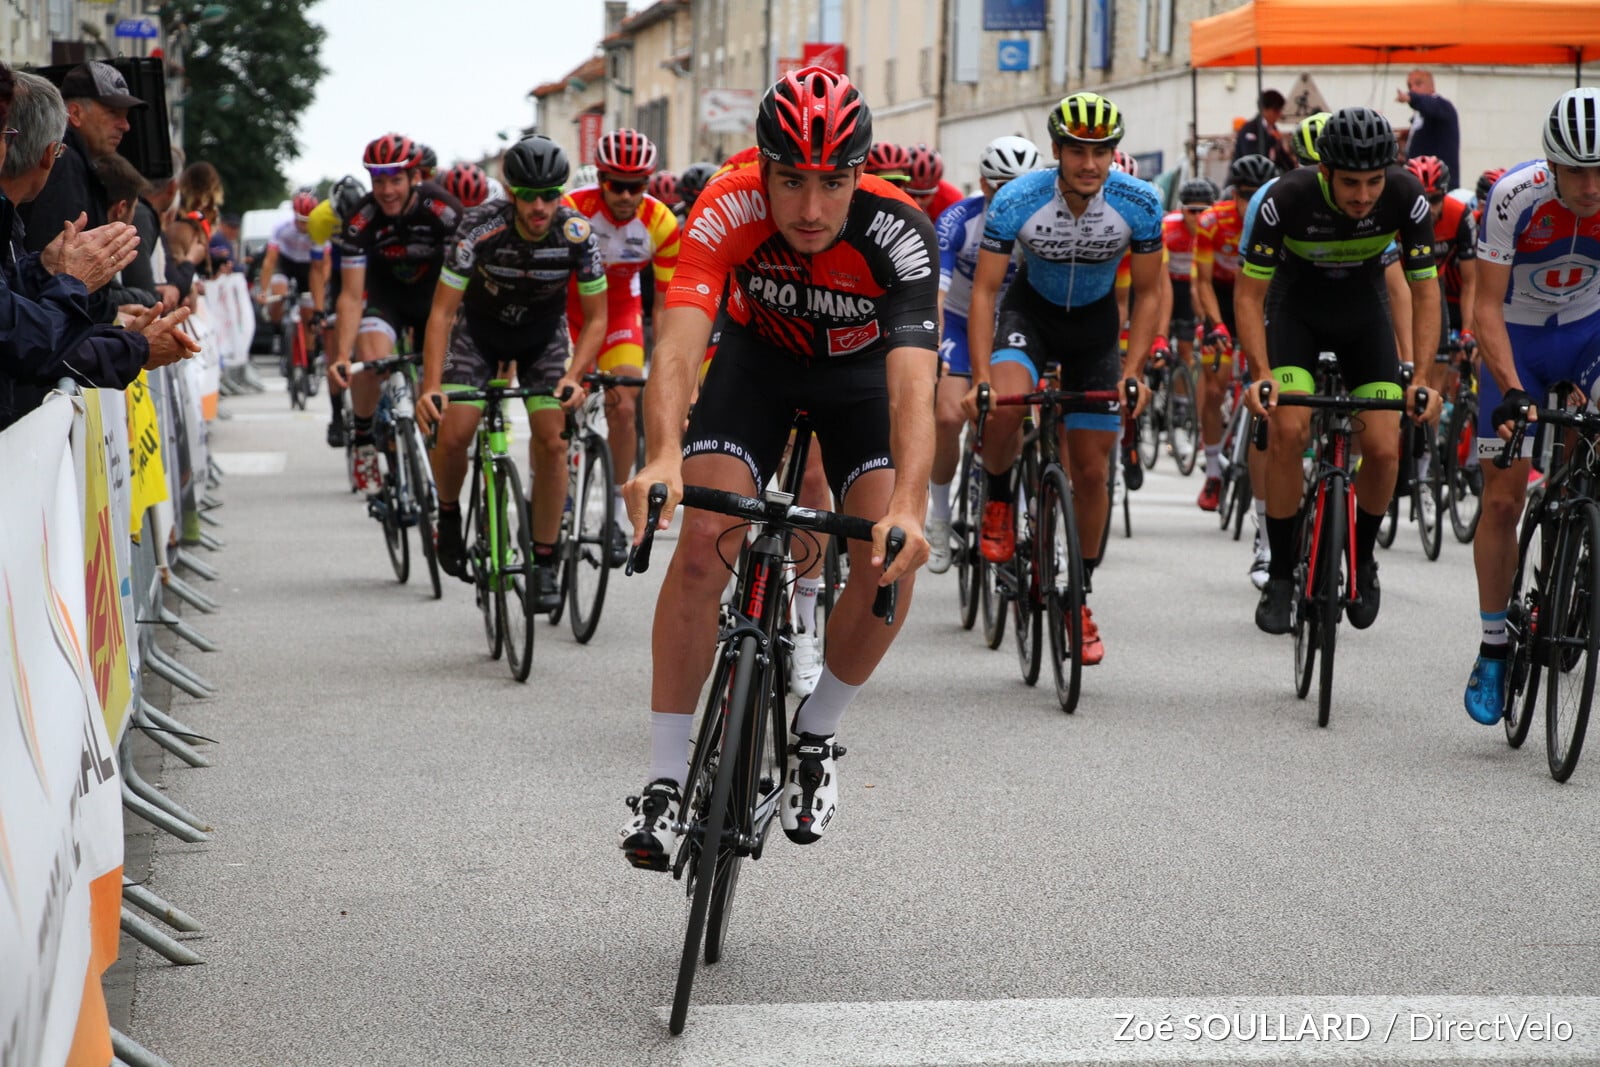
point(615, 186)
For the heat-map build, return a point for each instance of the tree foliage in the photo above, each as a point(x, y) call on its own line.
point(251, 74)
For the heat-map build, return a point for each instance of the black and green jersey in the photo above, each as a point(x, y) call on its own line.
point(1301, 237)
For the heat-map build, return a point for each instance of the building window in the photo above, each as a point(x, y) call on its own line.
point(925, 71)
point(651, 120)
point(888, 81)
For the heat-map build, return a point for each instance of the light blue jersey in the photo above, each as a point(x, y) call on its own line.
point(1072, 262)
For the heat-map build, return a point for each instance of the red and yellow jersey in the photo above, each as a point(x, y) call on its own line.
point(747, 157)
point(1217, 241)
point(946, 195)
point(874, 290)
point(650, 237)
point(1179, 243)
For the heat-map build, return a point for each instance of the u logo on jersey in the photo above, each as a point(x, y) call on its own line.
point(1561, 281)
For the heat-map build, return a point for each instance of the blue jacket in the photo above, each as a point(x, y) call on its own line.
point(1437, 133)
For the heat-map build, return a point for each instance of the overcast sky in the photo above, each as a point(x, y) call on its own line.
point(449, 74)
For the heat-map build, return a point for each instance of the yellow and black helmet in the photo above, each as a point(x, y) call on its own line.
point(1086, 118)
point(1305, 138)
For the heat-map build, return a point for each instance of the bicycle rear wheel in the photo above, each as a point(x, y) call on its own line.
point(1426, 493)
point(992, 592)
point(1574, 638)
point(1332, 552)
point(396, 490)
point(514, 591)
point(709, 791)
point(592, 516)
point(424, 505)
point(1183, 426)
point(1061, 579)
point(964, 534)
point(1524, 658)
point(1464, 482)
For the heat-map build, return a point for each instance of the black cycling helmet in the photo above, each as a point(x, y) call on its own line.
point(535, 162)
point(427, 158)
point(1198, 191)
point(692, 182)
point(345, 197)
point(1357, 138)
point(1251, 171)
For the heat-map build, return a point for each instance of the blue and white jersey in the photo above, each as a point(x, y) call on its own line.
point(1071, 261)
point(1554, 256)
point(960, 236)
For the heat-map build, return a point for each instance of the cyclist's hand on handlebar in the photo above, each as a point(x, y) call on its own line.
point(1160, 349)
point(912, 555)
point(1261, 397)
point(1141, 397)
point(1469, 343)
point(339, 373)
point(969, 402)
point(1517, 404)
point(1218, 339)
point(571, 392)
point(431, 405)
point(1431, 411)
point(636, 493)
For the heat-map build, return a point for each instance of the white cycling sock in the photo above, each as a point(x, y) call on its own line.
point(1213, 461)
point(805, 602)
point(1494, 627)
point(1261, 511)
point(939, 501)
point(1423, 463)
point(669, 746)
point(822, 710)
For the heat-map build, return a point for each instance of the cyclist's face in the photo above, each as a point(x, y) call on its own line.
point(809, 207)
point(1191, 215)
point(622, 194)
point(1435, 206)
point(534, 216)
point(1579, 188)
point(1355, 192)
point(392, 190)
point(1083, 167)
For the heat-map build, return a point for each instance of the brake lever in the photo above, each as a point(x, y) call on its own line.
point(887, 599)
point(639, 554)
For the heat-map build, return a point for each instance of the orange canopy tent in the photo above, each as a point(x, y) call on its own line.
point(1297, 33)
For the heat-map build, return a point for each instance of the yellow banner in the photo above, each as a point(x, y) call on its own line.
point(149, 470)
point(108, 643)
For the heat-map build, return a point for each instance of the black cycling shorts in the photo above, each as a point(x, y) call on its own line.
point(469, 363)
point(1181, 327)
point(1348, 318)
point(297, 272)
point(395, 321)
point(751, 394)
point(1032, 331)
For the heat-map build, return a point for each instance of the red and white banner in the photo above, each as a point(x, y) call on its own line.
point(590, 124)
point(827, 56)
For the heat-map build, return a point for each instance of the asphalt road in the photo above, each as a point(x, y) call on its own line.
point(415, 857)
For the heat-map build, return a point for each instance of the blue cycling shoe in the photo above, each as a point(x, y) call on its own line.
point(1485, 698)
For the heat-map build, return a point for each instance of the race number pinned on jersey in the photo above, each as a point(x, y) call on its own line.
point(577, 230)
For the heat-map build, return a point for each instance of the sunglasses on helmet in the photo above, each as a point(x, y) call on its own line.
point(528, 196)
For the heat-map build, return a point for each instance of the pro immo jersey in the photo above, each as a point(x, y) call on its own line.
point(873, 290)
point(1070, 260)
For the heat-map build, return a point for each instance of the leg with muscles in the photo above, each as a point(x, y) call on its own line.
point(449, 459)
point(948, 420)
point(1011, 372)
point(1088, 458)
point(622, 407)
point(1379, 441)
point(1289, 429)
point(814, 493)
point(1494, 556)
point(547, 455)
point(1213, 377)
point(375, 341)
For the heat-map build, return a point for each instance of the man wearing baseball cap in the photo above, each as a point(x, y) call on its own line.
point(98, 102)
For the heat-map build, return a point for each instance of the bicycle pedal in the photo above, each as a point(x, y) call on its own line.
point(648, 861)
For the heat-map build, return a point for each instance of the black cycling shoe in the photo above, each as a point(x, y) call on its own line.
point(1132, 470)
point(616, 546)
point(1272, 610)
point(546, 589)
point(336, 434)
point(1364, 608)
point(452, 550)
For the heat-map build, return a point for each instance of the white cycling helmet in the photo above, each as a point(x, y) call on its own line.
point(1008, 157)
point(584, 176)
point(1572, 136)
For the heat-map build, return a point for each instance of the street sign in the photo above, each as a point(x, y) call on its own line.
point(1305, 99)
point(827, 56)
point(1013, 54)
point(142, 29)
point(727, 110)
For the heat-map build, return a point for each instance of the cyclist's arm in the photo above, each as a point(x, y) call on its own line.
point(680, 346)
point(269, 266)
point(1148, 271)
point(986, 282)
point(353, 284)
point(1400, 314)
point(1425, 321)
point(1494, 342)
point(447, 297)
point(1469, 295)
point(911, 374)
point(1250, 315)
point(318, 280)
point(1206, 294)
point(586, 350)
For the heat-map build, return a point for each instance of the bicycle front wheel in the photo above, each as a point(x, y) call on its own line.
point(396, 490)
point(964, 534)
point(1061, 578)
point(594, 512)
point(483, 576)
point(1149, 433)
point(1183, 426)
point(1464, 483)
point(708, 794)
point(1574, 636)
point(1426, 492)
point(423, 504)
point(514, 591)
point(1331, 580)
point(1524, 660)
point(1306, 618)
point(1027, 615)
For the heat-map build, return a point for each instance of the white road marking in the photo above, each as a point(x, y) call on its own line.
point(251, 462)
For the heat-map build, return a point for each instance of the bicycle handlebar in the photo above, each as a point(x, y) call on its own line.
point(613, 381)
point(755, 509)
point(1347, 403)
point(1583, 421)
point(1062, 398)
point(387, 363)
point(511, 392)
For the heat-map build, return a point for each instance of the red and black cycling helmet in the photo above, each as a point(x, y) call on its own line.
point(813, 119)
point(1432, 172)
point(692, 182)
point(664, 187)
point(926, 170)
point(1486, 181)
point(625, 153)
point(467, 183)
point(305, 202)
point(889, 161)
point(390, 154)
point(1120, 160)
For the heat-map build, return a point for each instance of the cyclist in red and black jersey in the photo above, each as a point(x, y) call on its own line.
point(832, 291)
point(1455, 242)
point(390, 252)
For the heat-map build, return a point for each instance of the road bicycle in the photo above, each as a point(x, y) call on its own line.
point(1457, 446)
point(584, 547)
point(500, 525)
point(1172, 414)
point(1553, 616)
point(741, 749)
point(1419, 482)
point(1236, 495)
point(966, 522)
point(304, 360)
point(407, 497)
point(1044, 580)
point(1325, 560)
